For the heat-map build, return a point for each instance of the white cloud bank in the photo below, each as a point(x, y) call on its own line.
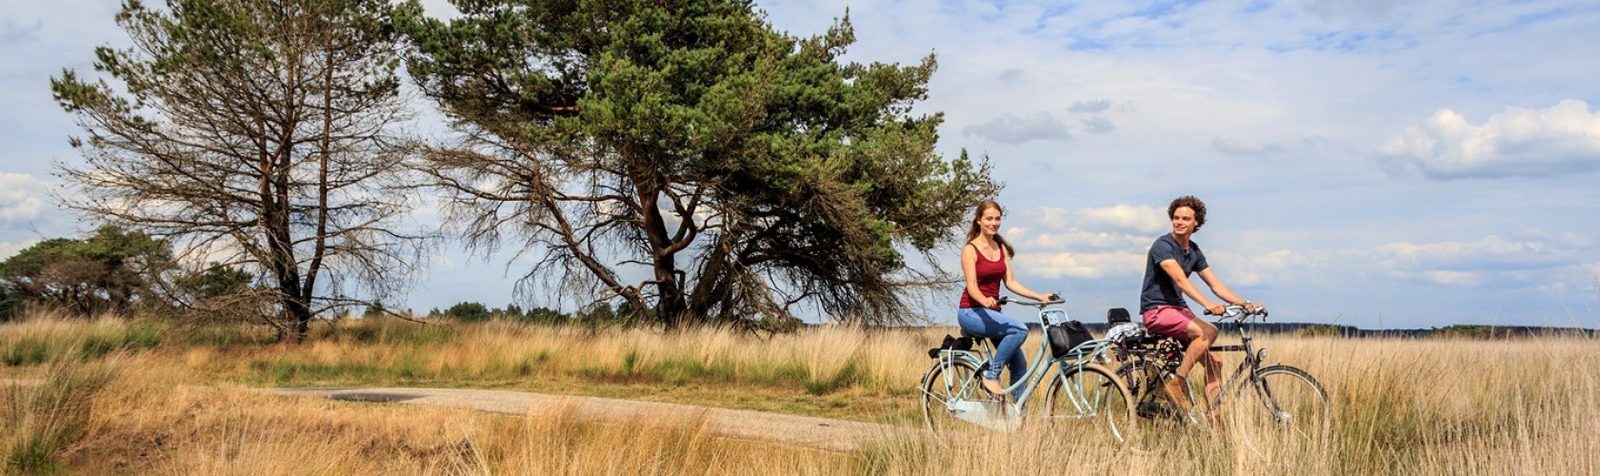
point(1564, 138)
point(1094, 242)
point(21, 197)
point(1488, 261)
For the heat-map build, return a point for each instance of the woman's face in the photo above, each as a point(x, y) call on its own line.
point(989, 222)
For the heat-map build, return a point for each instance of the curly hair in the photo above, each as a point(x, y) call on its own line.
point(1195, 204)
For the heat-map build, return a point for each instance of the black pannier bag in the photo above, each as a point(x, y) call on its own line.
point(1065, 336)
point(1117, 315)
point(951, 343)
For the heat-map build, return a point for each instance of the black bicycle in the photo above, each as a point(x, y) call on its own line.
point(1279, 403)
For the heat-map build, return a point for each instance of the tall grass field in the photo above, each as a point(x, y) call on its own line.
point(146, 396)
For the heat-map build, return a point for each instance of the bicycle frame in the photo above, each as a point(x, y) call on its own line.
point(1247, 370)
point(1041, 364)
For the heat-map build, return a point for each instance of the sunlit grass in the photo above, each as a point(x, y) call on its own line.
point(1401, 406)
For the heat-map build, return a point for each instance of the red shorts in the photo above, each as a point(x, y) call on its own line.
point(1170, 321)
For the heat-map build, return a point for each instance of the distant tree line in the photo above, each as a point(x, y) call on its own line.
point(110, 271)
point(601, 314)
point(748, 173)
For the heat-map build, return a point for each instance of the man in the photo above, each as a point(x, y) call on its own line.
point(1173, 257)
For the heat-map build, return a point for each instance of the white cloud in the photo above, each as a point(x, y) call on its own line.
point(1140, 219)
point(21, 197)
point(1090, 106)
point(1083, 265)
point(8, 249)
point(1098, 125)
point(1561, 139)
point(1010, 129)
point(1094, 242)
point(1270, 267)
point(1490, 260)
point(1233, 146)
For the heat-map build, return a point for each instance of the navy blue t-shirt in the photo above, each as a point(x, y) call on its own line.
point(1159, 289)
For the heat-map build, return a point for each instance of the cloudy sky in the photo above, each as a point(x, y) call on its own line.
point(1372, 163)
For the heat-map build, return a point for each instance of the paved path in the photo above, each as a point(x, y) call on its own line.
point(821, 433)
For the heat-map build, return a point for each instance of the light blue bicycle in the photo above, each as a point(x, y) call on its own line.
point(1081, 392)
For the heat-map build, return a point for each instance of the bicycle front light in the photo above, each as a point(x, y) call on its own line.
point(1261, 355)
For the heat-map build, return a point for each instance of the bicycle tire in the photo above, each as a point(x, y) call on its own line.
point(936, 390)
point(1093, 394)
point(1156, 418)
point(1283, 405)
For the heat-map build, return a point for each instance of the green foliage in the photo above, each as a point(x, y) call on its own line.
point(1464, 331)
point(1319, 330)
point(109, 270)
point(468, 311)
point(217, 280)
point(792, 176)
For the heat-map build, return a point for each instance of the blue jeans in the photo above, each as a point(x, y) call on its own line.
point(1007, 333)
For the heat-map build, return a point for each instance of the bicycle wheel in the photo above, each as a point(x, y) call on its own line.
point(944, 383)
point(1088, 396)
point(1283, 408)
point(1155, 417)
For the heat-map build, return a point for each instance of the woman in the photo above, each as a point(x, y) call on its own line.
point(986, 261)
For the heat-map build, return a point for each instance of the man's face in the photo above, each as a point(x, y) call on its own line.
point(1182, 221)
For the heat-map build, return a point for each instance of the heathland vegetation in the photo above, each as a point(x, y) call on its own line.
point(684, 177)
point(143, 396)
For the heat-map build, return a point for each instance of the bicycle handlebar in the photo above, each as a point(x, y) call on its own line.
point(1056, 299)
point(1240, 313)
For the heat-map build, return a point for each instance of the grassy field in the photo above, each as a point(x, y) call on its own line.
point(149, 397)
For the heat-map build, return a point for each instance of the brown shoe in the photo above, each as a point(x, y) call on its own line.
point(994, 388)
point(1178, 391)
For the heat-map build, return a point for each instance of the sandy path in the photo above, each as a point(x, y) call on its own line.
point(813, 432)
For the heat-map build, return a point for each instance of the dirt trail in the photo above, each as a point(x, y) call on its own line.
point(813, 432)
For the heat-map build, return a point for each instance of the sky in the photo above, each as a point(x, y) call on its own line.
point(1369, 163)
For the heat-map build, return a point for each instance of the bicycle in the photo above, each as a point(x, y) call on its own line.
point(1083, 388)
point(1294, 406)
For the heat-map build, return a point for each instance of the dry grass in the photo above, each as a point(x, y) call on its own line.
point(1402, 406)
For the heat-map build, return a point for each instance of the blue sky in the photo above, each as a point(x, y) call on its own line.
point(1372, 163)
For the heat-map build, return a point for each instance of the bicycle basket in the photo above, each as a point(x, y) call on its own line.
point(1067, 335)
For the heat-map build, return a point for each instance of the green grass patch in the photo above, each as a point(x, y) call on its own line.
point(381, 333)
point(39, 422)
point(26, 351)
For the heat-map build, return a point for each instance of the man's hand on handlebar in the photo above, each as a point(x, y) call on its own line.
point(1238, 310)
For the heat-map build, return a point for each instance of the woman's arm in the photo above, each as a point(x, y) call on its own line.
point(1016, 287)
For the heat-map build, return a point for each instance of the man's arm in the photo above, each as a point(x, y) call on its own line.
point(1176, 273)
point(1219, 288)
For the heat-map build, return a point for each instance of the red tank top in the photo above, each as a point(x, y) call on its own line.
point(990, 273)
